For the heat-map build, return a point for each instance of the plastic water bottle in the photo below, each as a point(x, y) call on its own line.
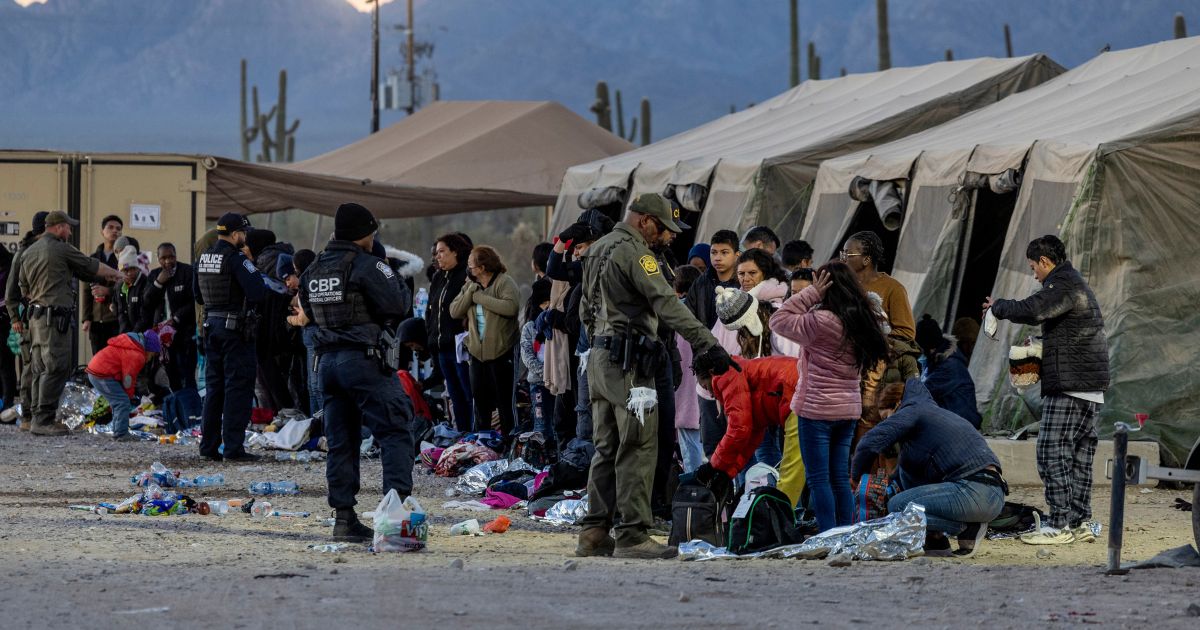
point(268, 488)
point(421, 303)
point(209, 481)
point(286, 514)
point(260, 509)
point(295, 456)
point(218, 507)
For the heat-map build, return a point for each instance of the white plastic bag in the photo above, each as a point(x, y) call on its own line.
point(399, 525)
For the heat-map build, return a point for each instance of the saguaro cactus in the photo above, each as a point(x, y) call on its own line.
point(645, 121)
point(885, 47)
point(814, 63)
point(1007, 41)
point(601, 107)
point(949, 55)
point(1180, 26)
point(281, 148)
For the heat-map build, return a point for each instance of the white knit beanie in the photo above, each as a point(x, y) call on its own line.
point(127, 258)
point(737, 309)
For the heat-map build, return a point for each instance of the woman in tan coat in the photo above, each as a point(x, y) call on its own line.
point(490, 301)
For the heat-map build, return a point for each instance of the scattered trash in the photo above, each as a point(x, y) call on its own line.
point(1146, 491)
point(160, 475)
point(399, 525)
point(570, 565)
point(466, 528)
point(457, 563)
point(299, 456)
point(1044, 554)
point(267, 488)
point(474, 481)
point(286, 514)
point(76, 403)
point(260, 508)
point(330, 548)
point(683, 598)
point(498, 525)
point(566, 512)
point(467, 505)
point(897, 536)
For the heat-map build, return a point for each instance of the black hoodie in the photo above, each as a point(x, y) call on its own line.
point(442, 328)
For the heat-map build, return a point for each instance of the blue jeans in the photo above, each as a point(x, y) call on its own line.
point(458, 385)
point(825, 449)
point(543, 410)
point(691, 449)
point(951, 505)
point(112, 391)
point(583, 405)
point(770, 452)
point(316, 400)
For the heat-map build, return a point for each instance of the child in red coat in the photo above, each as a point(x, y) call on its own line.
point(114, 371)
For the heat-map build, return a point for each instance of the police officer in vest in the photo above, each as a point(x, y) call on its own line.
point(229, 286)
point(354, 298)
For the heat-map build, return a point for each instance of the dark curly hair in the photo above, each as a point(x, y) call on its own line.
point(456, 243)
point(872, 246)
point(846, 299)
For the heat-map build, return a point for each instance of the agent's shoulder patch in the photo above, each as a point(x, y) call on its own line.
point(249, 266)
point(385, 269)
point(649, 264)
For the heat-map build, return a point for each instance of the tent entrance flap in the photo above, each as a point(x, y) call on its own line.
point(887, 197)
point(984, 230)
point(866, 219)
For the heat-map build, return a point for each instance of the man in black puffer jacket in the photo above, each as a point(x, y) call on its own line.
point(1074, 377)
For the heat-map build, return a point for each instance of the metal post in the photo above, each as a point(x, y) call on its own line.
point(1116, 517)
point(412, 71)
point(375, 67)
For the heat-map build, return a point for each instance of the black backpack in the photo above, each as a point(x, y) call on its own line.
point(697, 514)
point(763, 520)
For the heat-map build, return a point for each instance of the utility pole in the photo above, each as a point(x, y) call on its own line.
point(375, 65)
point(412, 71)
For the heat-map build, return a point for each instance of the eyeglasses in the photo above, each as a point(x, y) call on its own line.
point(845, 254)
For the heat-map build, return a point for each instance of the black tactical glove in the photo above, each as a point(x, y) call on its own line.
point(715, 480)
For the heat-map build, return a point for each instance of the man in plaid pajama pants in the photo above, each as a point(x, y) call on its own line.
point(1074, 377)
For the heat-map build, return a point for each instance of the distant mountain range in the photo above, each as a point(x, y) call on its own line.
point(162, 75)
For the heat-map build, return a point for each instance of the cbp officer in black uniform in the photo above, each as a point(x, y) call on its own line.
point(352, 296)
point(229, 286)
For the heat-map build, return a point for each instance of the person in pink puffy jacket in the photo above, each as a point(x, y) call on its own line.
point(839, 337)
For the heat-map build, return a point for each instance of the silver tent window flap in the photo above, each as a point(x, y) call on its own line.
point(887, 197)
point(600, 197)
point(690, 197)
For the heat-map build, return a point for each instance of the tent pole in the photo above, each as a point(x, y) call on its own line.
point(546, 220)
point(317, 230)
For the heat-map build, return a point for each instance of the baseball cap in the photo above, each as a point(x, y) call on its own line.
point(58, 216)
point(657, 206)
point(231, 222)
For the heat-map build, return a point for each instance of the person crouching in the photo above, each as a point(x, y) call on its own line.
point(756, 396)
point(945, 465)
point(114, 371)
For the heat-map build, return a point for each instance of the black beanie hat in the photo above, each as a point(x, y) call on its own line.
point(258, 240)
point(929, 333)
point(353, 222)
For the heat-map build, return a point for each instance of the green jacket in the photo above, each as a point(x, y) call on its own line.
point(501, 301)
point(49, 269)
point(624, 291)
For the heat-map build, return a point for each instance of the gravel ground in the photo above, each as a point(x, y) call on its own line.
point(63, 568)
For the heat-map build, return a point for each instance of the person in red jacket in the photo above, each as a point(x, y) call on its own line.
point(755, 397)
point(114, 371)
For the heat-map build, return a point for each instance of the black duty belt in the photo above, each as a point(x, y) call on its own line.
point(38, 310)
point(607, 342)
point(224, 314)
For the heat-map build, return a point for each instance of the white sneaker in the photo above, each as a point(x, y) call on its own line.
point(1047, 535)
point(1086, 532)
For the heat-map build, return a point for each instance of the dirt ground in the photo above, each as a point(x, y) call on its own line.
point(64, 568)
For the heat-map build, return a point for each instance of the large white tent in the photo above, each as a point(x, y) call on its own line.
point(756, 165)
point(1107, 156)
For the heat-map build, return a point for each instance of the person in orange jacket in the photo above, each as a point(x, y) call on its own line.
point(754, 397)
point(114, 371)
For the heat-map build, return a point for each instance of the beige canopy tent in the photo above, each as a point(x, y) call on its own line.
point(755, 165)
point(1107, 156)
point(452, 156)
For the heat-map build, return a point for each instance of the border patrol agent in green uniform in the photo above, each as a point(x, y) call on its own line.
point(49, 270)
point(624, 297)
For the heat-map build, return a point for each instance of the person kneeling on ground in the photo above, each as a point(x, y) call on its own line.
point(114, 372)
point(756, 396)
point(945, 465)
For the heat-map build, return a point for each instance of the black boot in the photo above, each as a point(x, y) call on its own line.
point(347, 528)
